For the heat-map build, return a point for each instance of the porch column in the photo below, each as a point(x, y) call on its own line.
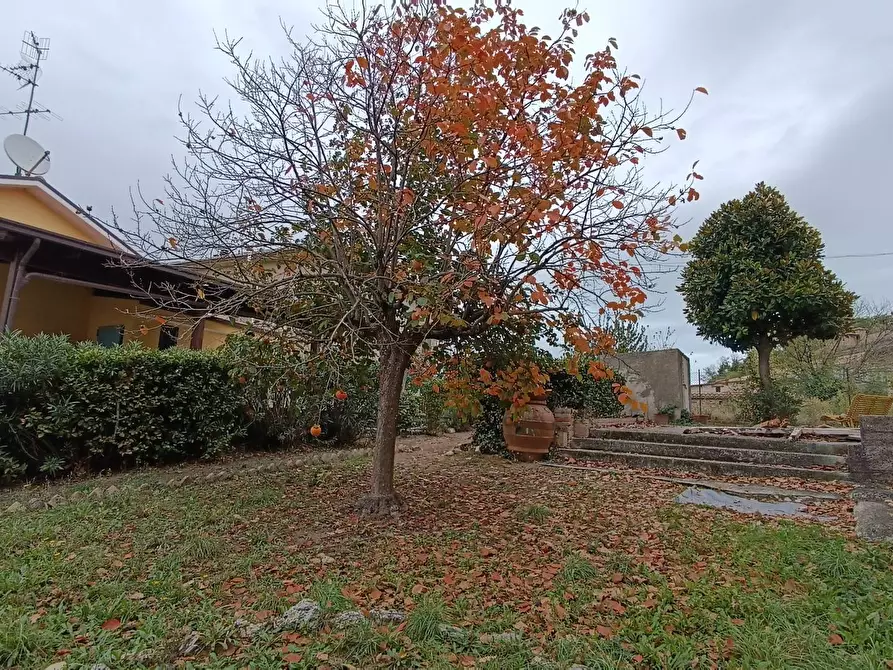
point(198, 335)
point(15, 281)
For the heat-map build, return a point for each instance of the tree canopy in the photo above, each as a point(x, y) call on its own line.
point(419, 173)
point(756, 278)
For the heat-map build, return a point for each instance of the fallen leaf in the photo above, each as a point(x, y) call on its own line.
point(417, 589)
point(293, 658)
point(834, 638)
point(111, 624)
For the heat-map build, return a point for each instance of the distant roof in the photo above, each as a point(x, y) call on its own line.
point(50, 195)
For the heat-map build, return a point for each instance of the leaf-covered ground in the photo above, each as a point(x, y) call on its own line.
point(603, 570)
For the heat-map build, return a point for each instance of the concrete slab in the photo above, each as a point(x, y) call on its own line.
point(722, 500)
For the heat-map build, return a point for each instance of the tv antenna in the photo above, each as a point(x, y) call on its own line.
point(34, 51)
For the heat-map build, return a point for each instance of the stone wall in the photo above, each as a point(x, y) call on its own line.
point(871, 460)
point(721, 408)
point(657, 378)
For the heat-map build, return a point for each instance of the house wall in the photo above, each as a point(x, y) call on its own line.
point(121, 312)
point(216, 333)
point(50, 307)
point(18, 204)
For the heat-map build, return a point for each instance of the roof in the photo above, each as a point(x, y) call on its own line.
point(61, 257)
point(56, 200)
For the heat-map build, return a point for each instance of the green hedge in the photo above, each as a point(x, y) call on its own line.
point(65, 406)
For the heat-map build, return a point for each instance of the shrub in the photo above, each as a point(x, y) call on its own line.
point(286, 391)
point(63, 405)
point(585, 394)
point(409, 413)
point(487, 429)
point(756, 405)
point(434, 415)
point(31, 368)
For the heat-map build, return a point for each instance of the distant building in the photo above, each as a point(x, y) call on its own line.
point(720, 387)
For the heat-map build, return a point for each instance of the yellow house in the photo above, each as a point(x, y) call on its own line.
point(61, 272)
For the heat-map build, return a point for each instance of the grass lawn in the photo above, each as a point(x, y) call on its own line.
point(593, 569)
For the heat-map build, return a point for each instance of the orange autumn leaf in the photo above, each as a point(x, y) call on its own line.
point(160, 319)
point(701, 89)
point(111, 624)
point(681, 132)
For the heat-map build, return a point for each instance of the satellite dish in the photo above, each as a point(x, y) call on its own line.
point(27, 155)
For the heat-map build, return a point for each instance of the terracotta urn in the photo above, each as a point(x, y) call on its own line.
point(530, 434)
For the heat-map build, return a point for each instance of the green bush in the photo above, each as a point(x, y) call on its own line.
point(434, 414)
point(756, 405)
point(487, 428)
point(409, 413)
point(286, 390)
point(64, 405)
point(584, 393)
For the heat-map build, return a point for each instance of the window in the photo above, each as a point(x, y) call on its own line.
point(168, 336)
point(110, 336)
point(717, 389)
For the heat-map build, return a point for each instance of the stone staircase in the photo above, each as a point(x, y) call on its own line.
point(712, 454)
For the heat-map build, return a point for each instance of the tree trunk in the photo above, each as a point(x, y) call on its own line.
point(394, 362)
point(764, 348)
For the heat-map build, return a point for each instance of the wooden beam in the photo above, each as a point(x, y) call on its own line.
point(198, 335)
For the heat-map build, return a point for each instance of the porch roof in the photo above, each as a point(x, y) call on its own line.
point(115, 271)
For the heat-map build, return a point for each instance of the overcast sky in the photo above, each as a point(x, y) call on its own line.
point(801, 96)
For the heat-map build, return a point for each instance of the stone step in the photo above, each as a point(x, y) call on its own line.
point(796, 459)
point(713, 440)
point(706, 466)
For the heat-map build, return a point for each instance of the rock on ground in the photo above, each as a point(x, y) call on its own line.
point(303, 616)
point(190, 645)
point(387, 616)
point(347, 619)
